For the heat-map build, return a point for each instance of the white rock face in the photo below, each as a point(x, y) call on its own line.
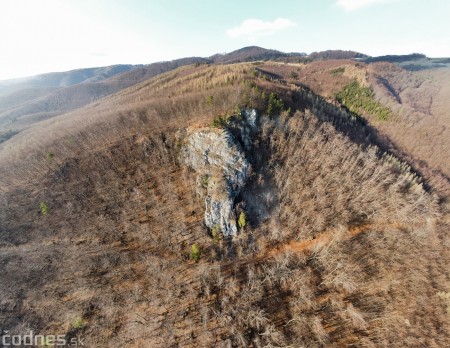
point(250, 117)
point(222, 170)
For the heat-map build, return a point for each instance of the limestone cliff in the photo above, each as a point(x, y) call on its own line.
point(222, 170)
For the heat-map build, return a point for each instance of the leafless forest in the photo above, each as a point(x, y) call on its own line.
point(346, 236)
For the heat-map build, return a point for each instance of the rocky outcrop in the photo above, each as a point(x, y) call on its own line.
point(222, 171)
point(245, 127)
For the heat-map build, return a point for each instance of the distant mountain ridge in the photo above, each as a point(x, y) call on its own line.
point(28, 100)
point(252, 53)
point(44, 96)
point(38, 97)
point(66, 78)
point(336, 54)
point(395, 58)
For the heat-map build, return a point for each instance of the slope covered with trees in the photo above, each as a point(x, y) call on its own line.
point(24, 102)
point(102, 232)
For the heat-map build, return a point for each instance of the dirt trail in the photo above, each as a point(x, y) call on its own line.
point(327, 237)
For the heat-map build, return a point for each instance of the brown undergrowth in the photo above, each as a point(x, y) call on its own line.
point(353, 250)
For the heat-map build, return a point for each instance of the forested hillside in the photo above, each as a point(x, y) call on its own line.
point(339, 241)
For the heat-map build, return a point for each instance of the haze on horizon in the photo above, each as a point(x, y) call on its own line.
point(51, 35)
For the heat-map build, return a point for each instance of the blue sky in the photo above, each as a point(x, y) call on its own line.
point(40, 36)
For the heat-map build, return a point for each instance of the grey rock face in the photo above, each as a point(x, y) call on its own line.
point(250, 117)
point(222, 171)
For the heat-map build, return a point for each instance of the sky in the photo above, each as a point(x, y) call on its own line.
point(39, 36)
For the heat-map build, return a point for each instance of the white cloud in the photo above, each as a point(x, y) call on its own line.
point(253, 28)
point(352, 5)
